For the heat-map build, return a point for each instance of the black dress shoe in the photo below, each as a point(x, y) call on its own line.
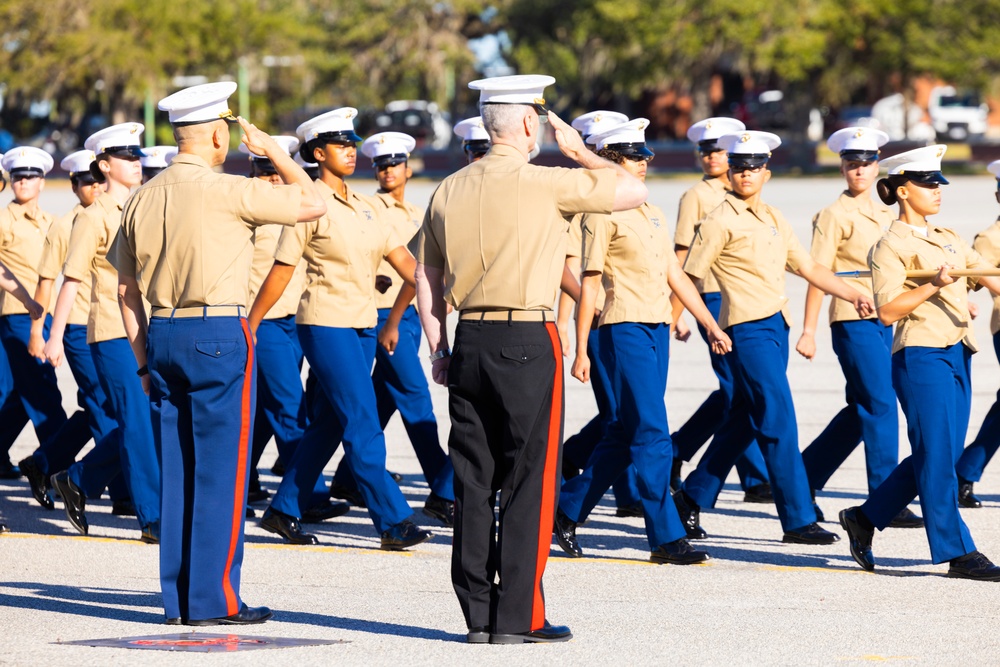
point(288, 527)
point(324, 511)
point(150, 533)
point(906, 519)
point(675, 475)
point(352, 496)
point(565, 532)
point(966, 498)
point(569, 471)
point(630, 511)
point(39, 484)
point(73, 500)
point(123, 507)
point(9, 471)
point(690, 515)
point(176, 620)
point(257, 495)
point(811, 534)
point(404, 535)
point(759, 493)
point(860, 538)
point(678, 552)
point(249, 513)
point(549, 633)
point(245, 616)
point(441, 509)
point(975, 566)
point(396, 477)
point(478, 635)
point(4, 528)
point(278, 469)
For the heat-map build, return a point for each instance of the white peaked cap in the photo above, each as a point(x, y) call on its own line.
point(199, 104)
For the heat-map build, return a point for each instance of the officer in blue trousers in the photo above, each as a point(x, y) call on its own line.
point(13, 418)
point(578, 447)
point(58, 454)
point(749, 245)
point(694, 205)
point(281, 410)
point(630, 253)
point(399, 379)
point(931, 363)
point(978, 453)
point(336, 321)
point(186, 245)
point(131, 450)
point(23, 229)
point(843, 235)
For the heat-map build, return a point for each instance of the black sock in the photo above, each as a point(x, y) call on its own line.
point(864, 521)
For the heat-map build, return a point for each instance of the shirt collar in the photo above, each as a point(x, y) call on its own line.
point(503, 150)
point(190, 158)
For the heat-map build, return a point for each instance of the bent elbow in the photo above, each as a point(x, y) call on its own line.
point(886, 318)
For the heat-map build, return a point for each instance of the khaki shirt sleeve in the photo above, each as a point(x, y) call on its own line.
point(393, 239)
point(888, 273)
point(120, 254)
point(426, 247)
point(53, 252)
point(596, 238)
point(84, 242)
point(973, 260)
point(293, 241)
point(687, 217)
point(574, 241)
point(797, 259)
point(987, 248)
point(826, 238)
point(584, 190)
point(706, 247)
point(262, 203)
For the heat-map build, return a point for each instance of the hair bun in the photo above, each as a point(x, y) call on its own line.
point(885, 191)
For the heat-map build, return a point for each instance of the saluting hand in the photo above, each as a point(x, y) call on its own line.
point(258, 141)
point(569, 140)
point(719, 341)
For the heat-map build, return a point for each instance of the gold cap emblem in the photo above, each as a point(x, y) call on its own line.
point(860, 133)
point(940, 152)
point(745, 138)
point(708, 125)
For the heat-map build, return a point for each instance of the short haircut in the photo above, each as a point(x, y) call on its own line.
point(502, 120)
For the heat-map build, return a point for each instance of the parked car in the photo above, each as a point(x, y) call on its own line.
point(422, 120)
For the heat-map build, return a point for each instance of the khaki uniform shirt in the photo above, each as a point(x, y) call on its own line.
point(943, 319)
point(54, 255)
point(843, 235)
point(749, 251)
point(342, 251)
point(497, 228)
point(187, 235)
point(987, 244)
point(405, 219)
point(87, 261)
point(695, 204)
point(22, 237)
point(634, 251)
point(264, 244)
point(574, 248)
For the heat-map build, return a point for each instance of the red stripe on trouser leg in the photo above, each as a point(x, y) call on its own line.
point(548, 506)
point(239, 491)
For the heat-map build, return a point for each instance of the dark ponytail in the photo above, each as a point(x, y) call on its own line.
point(886, 188)
point(95, 170)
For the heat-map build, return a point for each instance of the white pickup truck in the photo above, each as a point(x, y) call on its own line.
point(956, 117)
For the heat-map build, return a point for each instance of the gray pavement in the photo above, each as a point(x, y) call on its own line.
point(758, 601)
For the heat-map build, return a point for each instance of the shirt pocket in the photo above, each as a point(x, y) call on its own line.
point(216, 348)
point(523, 353)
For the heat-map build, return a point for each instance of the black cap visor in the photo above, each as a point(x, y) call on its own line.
point(383, 161)
point(84, 177)
point(124, 152)
point(343, 138)
point(26, 171)
point(477, 146)
point(925, 177)
point(709, 146)
point(263, 166)
point(748, 160)
point(859, 156)
point(628, 150)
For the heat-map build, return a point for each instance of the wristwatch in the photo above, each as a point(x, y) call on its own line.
point(440, 354)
